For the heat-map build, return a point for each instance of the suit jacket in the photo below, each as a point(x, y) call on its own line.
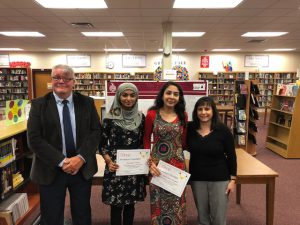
point(45, 138)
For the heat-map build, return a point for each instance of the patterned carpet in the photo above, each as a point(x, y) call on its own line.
point(252, 208)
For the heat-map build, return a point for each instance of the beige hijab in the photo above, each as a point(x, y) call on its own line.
point(127, 119)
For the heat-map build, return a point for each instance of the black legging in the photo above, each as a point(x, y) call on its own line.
point(116, 215)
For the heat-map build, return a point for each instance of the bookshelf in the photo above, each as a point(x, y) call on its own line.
point(245, 114)
point(17, 162)
point(93, 83)
point(221, 86)
point(14, 84)
point(267, 81)
point(284, 125)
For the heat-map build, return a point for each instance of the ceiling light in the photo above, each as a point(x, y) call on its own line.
point(21, 34)
point(73, 4)
point(174, 49)
point(225, 49)
point(187, 34)
point(280, 49)
point(103, 34)
point(117, 49)
point(204, 4)
point(263, 34)
point(63, 49)
point(11, 49)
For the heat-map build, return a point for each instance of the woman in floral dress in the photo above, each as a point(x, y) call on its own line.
point(167, 121)
point(123, 128)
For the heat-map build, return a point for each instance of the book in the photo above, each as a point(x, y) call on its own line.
point(241, 127)
point(242, 114)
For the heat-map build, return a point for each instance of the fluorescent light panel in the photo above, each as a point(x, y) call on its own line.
point(263, 34)
point(280, 49)
point(21, 34)
point(117, 49)
point(225, 49)
point(73, 4)
point(187, 34)
point(11, 49)
point(174, 49)
point(63, 49)
point(206, 4)
point(103, 34)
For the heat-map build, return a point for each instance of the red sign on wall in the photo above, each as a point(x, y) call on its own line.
point(204, 62)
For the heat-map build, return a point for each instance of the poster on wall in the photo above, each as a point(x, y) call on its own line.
point(79, 60)
point(4, 60)
point(204, 61)
point(256, 60)
point(15, 111)
point(148, 90)
point(133, 60)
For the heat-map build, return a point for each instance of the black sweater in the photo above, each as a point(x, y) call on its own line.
point(213, 156)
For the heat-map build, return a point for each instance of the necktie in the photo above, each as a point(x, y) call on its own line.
point(69, 139)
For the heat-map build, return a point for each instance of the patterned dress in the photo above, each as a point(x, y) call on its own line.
point(121, 190)
point(166, 208)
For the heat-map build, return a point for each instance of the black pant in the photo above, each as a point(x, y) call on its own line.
point(116, 215)
point(53, 200)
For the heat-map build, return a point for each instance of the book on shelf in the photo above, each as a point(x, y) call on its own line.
point(242, 114)
point(241, 127)
point(287, 89)
point(243, 89)
point(241, 139)
point(17, 204)
point(287, 105)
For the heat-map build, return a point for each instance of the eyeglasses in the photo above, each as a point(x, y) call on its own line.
point(65, 80)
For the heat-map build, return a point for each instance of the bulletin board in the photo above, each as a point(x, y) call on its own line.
point(148, 91)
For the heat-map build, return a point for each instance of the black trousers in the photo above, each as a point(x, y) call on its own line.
point(53, 200)
point(116, 215)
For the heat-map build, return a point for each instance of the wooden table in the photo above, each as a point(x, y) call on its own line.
point(252, 171)
point(225, 109)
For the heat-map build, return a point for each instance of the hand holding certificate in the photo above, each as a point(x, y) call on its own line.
point(132, 162)
point(171, 179)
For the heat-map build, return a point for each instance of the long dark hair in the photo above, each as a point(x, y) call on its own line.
point(206, 101)
point(179, 107)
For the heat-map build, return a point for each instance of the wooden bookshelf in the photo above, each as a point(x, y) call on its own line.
point(267, 82)
point(15, 83)
point(22, 164)
point(221, 86)
point(284, 125)
point(93, 83)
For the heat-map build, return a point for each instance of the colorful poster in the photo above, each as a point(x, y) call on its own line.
point(204, 61)
point(15, 111)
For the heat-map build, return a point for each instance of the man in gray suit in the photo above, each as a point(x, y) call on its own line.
point(64, 131)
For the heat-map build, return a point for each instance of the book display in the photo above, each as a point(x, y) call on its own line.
point(267, 82)
point(15, 164)
point(14, 84)
point(284, 123)
point(221, 86)
point(246, 113)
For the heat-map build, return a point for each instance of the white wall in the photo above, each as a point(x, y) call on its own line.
point(277, 62)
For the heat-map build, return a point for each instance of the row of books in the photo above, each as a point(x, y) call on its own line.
point(16, 205)
point(7, 152)
point(287, 89)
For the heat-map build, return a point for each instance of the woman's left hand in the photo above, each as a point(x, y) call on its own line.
point(230, 187)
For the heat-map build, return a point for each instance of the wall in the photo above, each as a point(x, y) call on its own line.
point(277, 62)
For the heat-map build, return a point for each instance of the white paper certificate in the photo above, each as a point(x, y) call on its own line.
point(171, 178)
point(132, 162)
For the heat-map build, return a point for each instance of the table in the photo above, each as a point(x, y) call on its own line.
point(225, 109)
point(252, 171)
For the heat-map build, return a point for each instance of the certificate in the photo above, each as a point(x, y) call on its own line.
point(132, 162)
point(171, 178)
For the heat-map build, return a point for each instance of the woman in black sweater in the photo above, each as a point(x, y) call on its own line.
point(212, 162)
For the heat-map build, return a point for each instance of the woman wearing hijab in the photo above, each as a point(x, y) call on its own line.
point(123, 128)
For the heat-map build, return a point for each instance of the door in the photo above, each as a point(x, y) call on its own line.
point(41, 82)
